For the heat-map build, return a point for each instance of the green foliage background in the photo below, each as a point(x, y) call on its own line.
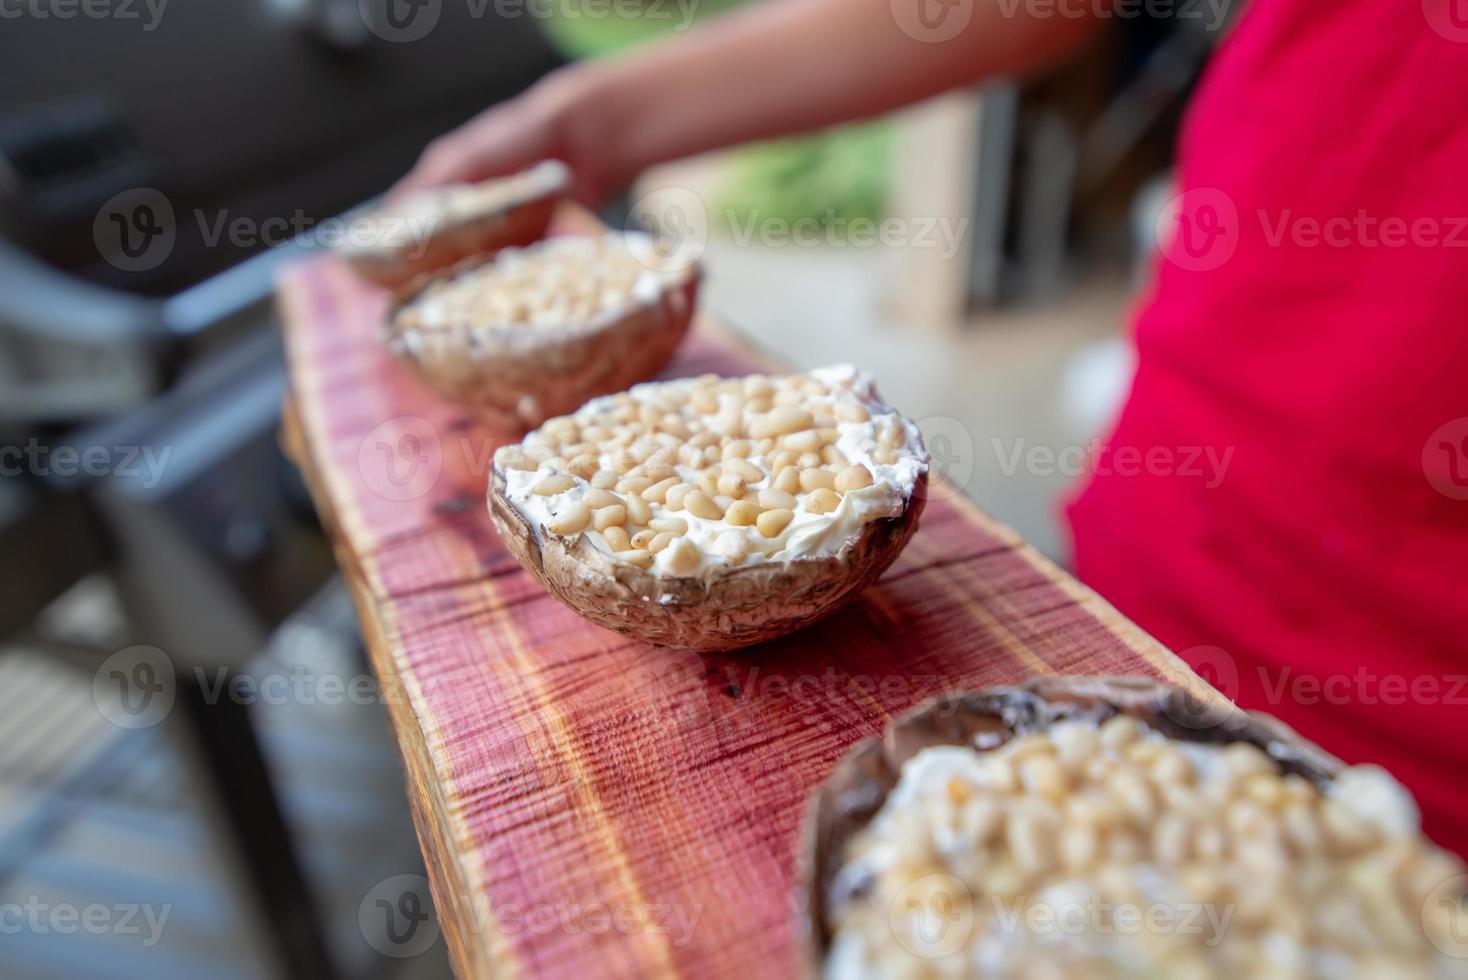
point(841, 173)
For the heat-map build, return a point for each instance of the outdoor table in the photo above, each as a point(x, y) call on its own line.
point(588, 805)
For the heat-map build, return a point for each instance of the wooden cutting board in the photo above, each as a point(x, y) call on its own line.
point(589, 806)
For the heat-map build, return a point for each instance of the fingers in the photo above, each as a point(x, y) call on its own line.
point(500, 141)
point(444, 161)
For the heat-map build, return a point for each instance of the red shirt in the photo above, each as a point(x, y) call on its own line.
point(1308, 324)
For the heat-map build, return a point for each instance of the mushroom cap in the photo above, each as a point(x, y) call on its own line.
point(513, 377)
point(464, 233)
point(726, 608)
point(855, 790)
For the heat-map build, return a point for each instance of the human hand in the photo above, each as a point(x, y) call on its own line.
point(540, 124)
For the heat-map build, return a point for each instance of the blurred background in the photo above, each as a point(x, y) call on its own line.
point(158, 164)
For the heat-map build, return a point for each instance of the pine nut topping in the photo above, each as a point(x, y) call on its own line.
point(683, 470)
point(560, 281)
point(1056, 824)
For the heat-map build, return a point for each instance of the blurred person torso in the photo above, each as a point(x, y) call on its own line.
point(1305, 329)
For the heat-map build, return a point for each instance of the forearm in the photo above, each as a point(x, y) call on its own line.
point(788, 66)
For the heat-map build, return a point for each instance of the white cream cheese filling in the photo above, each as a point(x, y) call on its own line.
point(809, 534)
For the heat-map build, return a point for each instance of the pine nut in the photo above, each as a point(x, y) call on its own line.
point(633, 484)
point(785, 419)
point(788, 480)
point(1030, 833)
point(742, 513)
point(810, 460)
point(784, 458)
point(1119, 731)
point(731, 545)
point(605, 517)
point(683, 557)
point(835, 458)
point(583, 466)
point(854, 477)
point(510, 458)
point(822, 501)
point(643, 538)
point(731, 485)
point(736, 449)
point(772, 522)
point(638, 511)
point(700, 504)
point(658, 492)
point(572, 520)
point(616, 538)
point(596, 499)
point(640, 557)
point(745, 470)
point(1172, 838)
point(708, 482)
point(1079, 847)
point(553, 485)
point(705, 401)
point(999, 773)
point(1042, 774)
point(672, 525)
point(678, 494)
point(803, 442)
point(1134, 794)
point(772, 499)
point(817, 479)
point(851, 411)
point(660, 540)
point(604, 480)
point(1244, 760)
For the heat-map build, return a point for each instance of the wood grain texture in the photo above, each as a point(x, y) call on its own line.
point(588, 805)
